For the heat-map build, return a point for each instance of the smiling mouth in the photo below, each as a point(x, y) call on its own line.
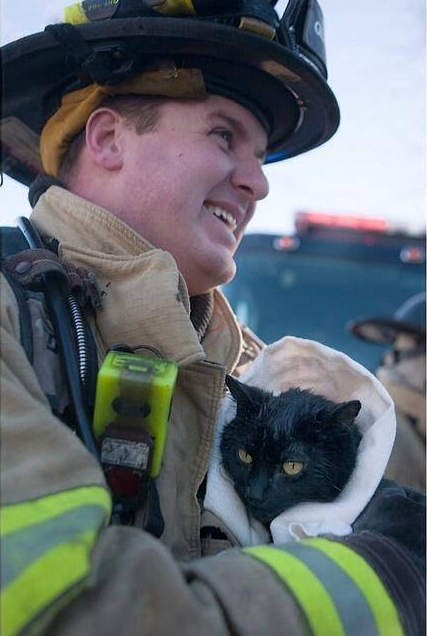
point(225, 216)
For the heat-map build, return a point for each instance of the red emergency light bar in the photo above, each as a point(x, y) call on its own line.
point(306, 220)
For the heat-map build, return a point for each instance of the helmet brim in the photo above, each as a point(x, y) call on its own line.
point(384, 331)
point(292, 97)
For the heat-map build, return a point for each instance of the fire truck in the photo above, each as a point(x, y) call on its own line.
point(331, 271)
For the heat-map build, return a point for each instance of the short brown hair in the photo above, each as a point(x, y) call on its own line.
point(141, 111)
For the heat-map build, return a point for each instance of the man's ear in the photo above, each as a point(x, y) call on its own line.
point(102, 133)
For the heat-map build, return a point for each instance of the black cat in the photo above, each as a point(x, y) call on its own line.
point(286, 449)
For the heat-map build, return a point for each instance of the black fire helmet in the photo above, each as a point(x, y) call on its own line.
point(274, 67)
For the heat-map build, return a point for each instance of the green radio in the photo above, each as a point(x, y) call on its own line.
point(135, 392)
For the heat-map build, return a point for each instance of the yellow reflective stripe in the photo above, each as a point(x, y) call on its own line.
point(46, 549)
point(382, 606)
point(22, 515)
point(314, 599)
point(354, 610)
point(74, 14)
point(177, 7)
point(45, 582)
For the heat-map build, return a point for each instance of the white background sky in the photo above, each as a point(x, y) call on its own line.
point(375, 164)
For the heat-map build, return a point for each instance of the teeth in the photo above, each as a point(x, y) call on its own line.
point(223, 215)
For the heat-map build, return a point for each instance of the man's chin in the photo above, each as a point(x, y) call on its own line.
point(230, 275)
point(227, 277)
point(210, 274)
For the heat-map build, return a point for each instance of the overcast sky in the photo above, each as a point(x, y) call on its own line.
point(375, 164)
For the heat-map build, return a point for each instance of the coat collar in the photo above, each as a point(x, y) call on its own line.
point(145, 299)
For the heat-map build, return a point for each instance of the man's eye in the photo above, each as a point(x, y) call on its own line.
point(225, 135)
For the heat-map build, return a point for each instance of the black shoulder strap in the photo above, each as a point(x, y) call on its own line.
point(26, 237)
point(13, 241)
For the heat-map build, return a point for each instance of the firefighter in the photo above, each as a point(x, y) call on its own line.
point(150, 123)
point(402, 371)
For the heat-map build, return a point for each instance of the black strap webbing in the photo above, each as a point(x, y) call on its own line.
point(11, 242)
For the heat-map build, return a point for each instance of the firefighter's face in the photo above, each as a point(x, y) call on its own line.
point(190, 185)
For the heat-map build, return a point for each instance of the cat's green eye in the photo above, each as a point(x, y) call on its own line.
point(244, 456)
point(292, 468)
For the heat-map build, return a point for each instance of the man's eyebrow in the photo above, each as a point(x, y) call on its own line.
point(238, 127)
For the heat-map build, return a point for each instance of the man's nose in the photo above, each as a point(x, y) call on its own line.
point(248, 176)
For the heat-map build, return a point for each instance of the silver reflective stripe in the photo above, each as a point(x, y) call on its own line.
point(352, 606)
point(26, 546)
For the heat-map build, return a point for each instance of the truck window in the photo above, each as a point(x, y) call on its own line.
point(315, 292)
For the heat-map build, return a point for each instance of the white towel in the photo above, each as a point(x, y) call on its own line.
point(295, 362)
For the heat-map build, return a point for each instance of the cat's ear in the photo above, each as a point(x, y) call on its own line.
point(347, 412)
point(237, 389)
point(242, 393)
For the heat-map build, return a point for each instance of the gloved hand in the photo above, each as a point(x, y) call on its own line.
point(397, 512)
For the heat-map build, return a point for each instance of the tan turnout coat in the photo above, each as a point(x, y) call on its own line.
point(139, 585)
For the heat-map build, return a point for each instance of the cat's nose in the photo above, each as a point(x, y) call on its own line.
point(255, 494)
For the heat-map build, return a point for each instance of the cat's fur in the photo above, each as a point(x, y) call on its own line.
point(286, 449)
